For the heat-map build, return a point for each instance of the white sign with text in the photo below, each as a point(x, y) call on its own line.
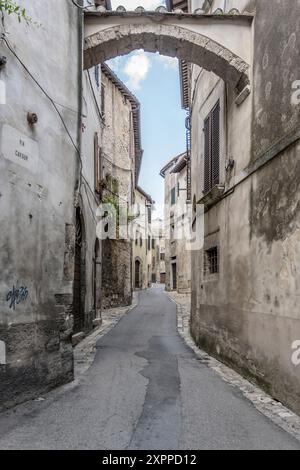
point(19, 149)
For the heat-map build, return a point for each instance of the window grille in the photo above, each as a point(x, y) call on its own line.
point(211, 261)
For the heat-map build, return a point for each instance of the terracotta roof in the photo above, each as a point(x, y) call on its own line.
point(181, 163)
point(184, 71)
point(147, 196)
point(170, 164)
point(136, 115)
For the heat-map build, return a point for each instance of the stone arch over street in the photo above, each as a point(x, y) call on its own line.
point(218, 43)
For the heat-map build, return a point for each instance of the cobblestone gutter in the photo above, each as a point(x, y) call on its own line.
point(264, 403)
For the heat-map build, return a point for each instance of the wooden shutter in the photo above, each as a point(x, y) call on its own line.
point(99, 174)
point(173, 196)
point(103, 101)
point(96, 160)
point(212, 149)
point(97, 164)
point(207, 153)
point(215, 145)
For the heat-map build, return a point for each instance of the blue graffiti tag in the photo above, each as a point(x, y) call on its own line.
point(16, 296)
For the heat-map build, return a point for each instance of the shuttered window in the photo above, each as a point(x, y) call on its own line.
point(212, 149)
point(97, 164)
point(173, 196)
point(103, 101)
point(97, 75)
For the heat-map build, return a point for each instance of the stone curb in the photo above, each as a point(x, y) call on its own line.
point(264, 403)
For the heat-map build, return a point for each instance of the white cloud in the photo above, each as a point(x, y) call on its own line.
point(115, 64)
point(137, 68)
point(133, 4)
point(168, 62)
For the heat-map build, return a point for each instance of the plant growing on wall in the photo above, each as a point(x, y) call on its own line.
point(113, 200)
point(112, 186)
point(12, 8)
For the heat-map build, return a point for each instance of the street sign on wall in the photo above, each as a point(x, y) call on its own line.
point(19, 149)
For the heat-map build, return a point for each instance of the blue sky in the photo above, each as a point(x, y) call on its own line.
point(154, 80)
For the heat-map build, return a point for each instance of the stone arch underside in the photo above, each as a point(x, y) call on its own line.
point(170, 40)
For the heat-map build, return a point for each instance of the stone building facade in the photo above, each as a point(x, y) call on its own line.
point(51, 172)
point(40, 172)
point(158, 248)
point(142, 240)
point(121, 156)
point(161, 256)
point(88, 249)
point(245, 171)
point(177, 256)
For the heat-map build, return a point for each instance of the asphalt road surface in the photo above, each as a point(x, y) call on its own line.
point(146, 390)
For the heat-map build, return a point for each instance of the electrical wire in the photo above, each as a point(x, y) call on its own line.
point(89, 204)
point(128, 170)
point(94, 96)
point(3, 37)
point(82, 177)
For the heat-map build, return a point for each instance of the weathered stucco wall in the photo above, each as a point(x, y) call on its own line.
point(37, 200)
point(161, 264)
point(170, 182)
point(141, 251)
point(247, 314)
point(183, 255)
point(175, 242)
point(276, 44)
point(116, 274)
point(119, 163)
point(92, 125)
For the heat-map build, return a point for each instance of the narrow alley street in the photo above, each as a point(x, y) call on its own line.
point(145, 390)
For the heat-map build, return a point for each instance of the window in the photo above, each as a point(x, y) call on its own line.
point(153, 244)
point(103, 100)
point(162, 256)
point(141, 241)
point(149, 215)
point(212, 149)
point(173, 196)
point(97, 164)
point(149, 243)
point(211, 261)
point(97, 76)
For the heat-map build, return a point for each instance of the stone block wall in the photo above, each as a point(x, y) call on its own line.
point(116, 274)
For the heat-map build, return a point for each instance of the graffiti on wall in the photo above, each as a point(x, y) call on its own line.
point(16, 296)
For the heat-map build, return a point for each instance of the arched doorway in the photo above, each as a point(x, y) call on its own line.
point(138, 274)
point(79, 274)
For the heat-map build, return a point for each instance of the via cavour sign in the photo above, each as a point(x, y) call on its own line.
point(19, 149)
